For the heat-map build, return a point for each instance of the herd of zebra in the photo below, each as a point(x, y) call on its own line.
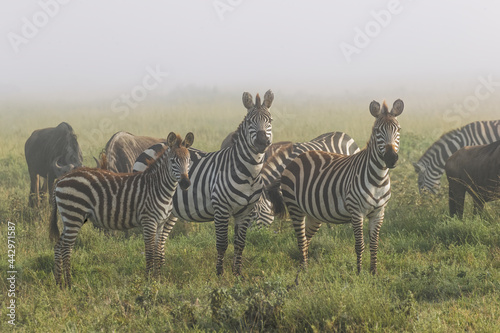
point(151, 183)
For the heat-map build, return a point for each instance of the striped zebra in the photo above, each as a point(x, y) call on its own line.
point(283, 153)
point(333, 142)
point(120, 201)
point(430, 167)
point(333, 188)
point(227, 182)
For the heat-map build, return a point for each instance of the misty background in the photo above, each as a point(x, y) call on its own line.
point(98, 50)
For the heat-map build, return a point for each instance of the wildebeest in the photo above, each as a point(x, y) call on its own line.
point(50, 153)
point(123, 148)
point(476, 170)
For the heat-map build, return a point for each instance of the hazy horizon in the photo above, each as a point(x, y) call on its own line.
point(75, 50)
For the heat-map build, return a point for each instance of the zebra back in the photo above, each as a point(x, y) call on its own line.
point(333, 142)
point(430, 167)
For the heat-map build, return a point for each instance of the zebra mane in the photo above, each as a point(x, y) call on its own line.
point(153, 163)
point(236, 133)
point(385, 108)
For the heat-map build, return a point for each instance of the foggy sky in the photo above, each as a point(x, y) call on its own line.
point(98, 49)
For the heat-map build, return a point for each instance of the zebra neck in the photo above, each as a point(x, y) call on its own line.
point(158, 174)
point(247, 161)
point(375, 164)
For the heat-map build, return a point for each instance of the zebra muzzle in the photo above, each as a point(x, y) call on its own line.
point(184, 183)
point(390, 157)
point(262, 141)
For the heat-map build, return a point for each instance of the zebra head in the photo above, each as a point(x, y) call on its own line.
point(386, 131)
point(179, 158)
point(427, 180)
point(257, 128)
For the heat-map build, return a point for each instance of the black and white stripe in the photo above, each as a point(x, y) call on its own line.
point(333, 142)
point(283, 153)
point(120, 201)
point(333, 188)
point(430, 167)
point(227, 182)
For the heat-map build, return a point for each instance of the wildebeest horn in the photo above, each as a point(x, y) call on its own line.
point(98, 165)
point(56, 162)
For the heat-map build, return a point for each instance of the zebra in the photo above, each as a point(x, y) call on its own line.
point(120, 201)
point(334, 142)
point(333, 188)
point(430, 167)
point(284, 152)
point(227, 182)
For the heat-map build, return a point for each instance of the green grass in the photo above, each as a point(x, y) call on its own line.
point(436, 273)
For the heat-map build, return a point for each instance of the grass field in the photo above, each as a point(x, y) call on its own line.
point(436, 273)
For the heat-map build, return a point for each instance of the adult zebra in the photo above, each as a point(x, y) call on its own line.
point(227, 182)
point(333, 142)
point(430, 167)
point(120, 201)
point(333, 188)
point(284, 153)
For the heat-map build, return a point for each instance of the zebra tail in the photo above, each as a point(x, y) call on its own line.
point(274, 195)
point(54, 230)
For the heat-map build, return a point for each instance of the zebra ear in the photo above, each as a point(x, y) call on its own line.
point(248, 100)
point(375, 108)
point(417, 167)
point(397, 108)
point(171, 139)
point(188, 141)
point(268, 98)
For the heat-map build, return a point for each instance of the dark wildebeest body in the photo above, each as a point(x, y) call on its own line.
point(123, 148)
point(50, 153)
point(274, 147)
point(476, 170)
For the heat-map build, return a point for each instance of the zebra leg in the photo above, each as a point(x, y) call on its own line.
point(221, 226)
point(311, 228)
point(158, 249)
point(167, 228)
point(58, 261)
point(298, 222)
point(63, 250)
point(240, 233)
point(375, 222)
point(357, 226)
point(149, 232)
point(264, 212)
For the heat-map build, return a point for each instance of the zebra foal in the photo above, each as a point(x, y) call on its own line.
point(120, 201)
point(333, 188)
